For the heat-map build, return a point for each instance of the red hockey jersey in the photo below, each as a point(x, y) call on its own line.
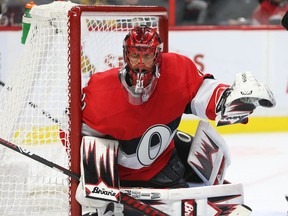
point(145, 132)
point(267, 10)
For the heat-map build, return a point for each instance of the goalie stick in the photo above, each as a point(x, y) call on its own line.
point(284, 21)
point(125, 199)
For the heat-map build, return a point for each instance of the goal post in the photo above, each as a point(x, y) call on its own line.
point(40, 107)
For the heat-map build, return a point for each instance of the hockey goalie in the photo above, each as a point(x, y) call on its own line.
point(131, 143)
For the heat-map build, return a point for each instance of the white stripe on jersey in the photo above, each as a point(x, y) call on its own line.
point(200, 102)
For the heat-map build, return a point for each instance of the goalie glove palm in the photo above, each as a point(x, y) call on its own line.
point(240, 100)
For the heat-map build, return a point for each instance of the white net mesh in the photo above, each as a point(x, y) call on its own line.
point(35, 103)
point(32, 110)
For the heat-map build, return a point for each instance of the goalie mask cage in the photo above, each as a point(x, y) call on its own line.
point(40, 107)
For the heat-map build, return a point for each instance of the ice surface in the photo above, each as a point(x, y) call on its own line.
point(260, 162)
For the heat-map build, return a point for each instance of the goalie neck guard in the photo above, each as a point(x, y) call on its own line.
point(142, 51)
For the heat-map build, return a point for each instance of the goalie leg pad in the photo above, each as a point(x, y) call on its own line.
point(209, 155)
point(99, 177)
point(207, 200)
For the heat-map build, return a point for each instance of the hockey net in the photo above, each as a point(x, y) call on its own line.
point(40, 107)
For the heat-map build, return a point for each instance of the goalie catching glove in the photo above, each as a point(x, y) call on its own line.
point(240, 100)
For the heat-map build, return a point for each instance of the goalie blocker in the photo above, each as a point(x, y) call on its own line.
point(99, 188)
point(209, 155)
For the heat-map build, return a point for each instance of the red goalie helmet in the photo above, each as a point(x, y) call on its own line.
point(142, 51)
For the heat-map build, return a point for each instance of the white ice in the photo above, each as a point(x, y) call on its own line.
point(260, 162)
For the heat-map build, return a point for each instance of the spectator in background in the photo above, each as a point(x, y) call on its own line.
point(12, 11)
point(230, 12)
point(269, 12)
point(179, 6)
point(93, 2)
point(195, 10)
point(1, 10)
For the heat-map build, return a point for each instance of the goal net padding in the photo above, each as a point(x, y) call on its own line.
point(40, 107)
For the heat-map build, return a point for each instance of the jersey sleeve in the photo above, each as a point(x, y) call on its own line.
point(204, 89)
point(201, 89)
point(204, 103)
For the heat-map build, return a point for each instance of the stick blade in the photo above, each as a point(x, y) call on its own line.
point(284, 21)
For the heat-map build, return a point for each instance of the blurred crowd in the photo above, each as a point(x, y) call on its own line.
point(188, 12)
